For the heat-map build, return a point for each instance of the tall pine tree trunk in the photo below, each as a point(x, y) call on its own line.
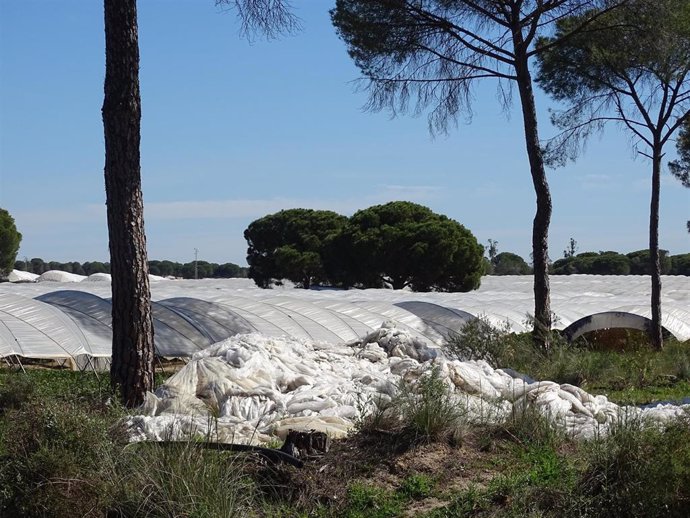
point(655, 263)
point(132, 361)
point(542, 218)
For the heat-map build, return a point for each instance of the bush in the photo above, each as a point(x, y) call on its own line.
point(15, 392)
point(526, 426)
point(428, 409)
point(423, 410)
point(638, 470)
point(63, 454)
point(54, 456)
point(187, 481)
point(480, 340)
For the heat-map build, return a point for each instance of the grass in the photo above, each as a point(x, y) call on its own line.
point(423, 410)
point(63, 454)
point(186, 481)
point(628, 372)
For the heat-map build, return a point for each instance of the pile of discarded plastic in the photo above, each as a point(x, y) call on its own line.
point(252, 389)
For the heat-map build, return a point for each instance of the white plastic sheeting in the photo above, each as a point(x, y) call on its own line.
point(34, 329)
point(253, 388)
point(99, 277)
point(65, 277)
point(90, 313)
point(217, 320)
point(20, 276)
point(190, 315)
point(174, 334)
point(445, 321)
point(59, 276)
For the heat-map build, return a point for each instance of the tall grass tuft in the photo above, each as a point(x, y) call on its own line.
point(180, 479)
point(63, 456)
point(638, 470)
point(54, 454)
point(428, 409)
point(423, 410)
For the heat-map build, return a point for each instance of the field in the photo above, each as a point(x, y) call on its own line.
point(63, 452)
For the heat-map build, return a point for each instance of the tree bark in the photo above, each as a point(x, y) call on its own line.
point(132, 361)
point(542, 218)
point(655, 263)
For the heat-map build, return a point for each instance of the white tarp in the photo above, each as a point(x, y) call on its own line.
point(59, 276)
point(20, 276)
point(34, 329)
point(253, 388)
point(213, 307)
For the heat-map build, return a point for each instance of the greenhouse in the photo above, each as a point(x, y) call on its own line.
point(67, 316)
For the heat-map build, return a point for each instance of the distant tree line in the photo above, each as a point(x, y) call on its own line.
point(614, 263)
point(506, 263)
point(164, 268)
point(399, 244)
point(591, 263)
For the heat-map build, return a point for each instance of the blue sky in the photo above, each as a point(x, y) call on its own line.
point(232, 131)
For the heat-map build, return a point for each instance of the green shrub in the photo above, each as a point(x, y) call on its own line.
point(428, 410)
point(180, 480)
point(423, 410)
point(416, 486)
point(15, 390)
point(478, 339)
point(62, 455)
point(639, 470)
point(369, 501)
point(527, 426)
point(54, 456)
point(375, 413)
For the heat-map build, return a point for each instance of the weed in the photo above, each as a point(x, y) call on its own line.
point(375, 413)
point(480, 340)
point(61, 456)
point(54, 454)
point(416, 486)
point(527, 426)
point(428, 410)
point(423, 410)
point(639, 470)
point(369, 501)
point(186, 481)
point(15, 391)
point(466, 503)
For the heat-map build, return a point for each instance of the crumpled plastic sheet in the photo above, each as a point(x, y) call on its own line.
point(253, 388)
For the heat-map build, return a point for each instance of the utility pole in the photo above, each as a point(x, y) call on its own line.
point(196, 256)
